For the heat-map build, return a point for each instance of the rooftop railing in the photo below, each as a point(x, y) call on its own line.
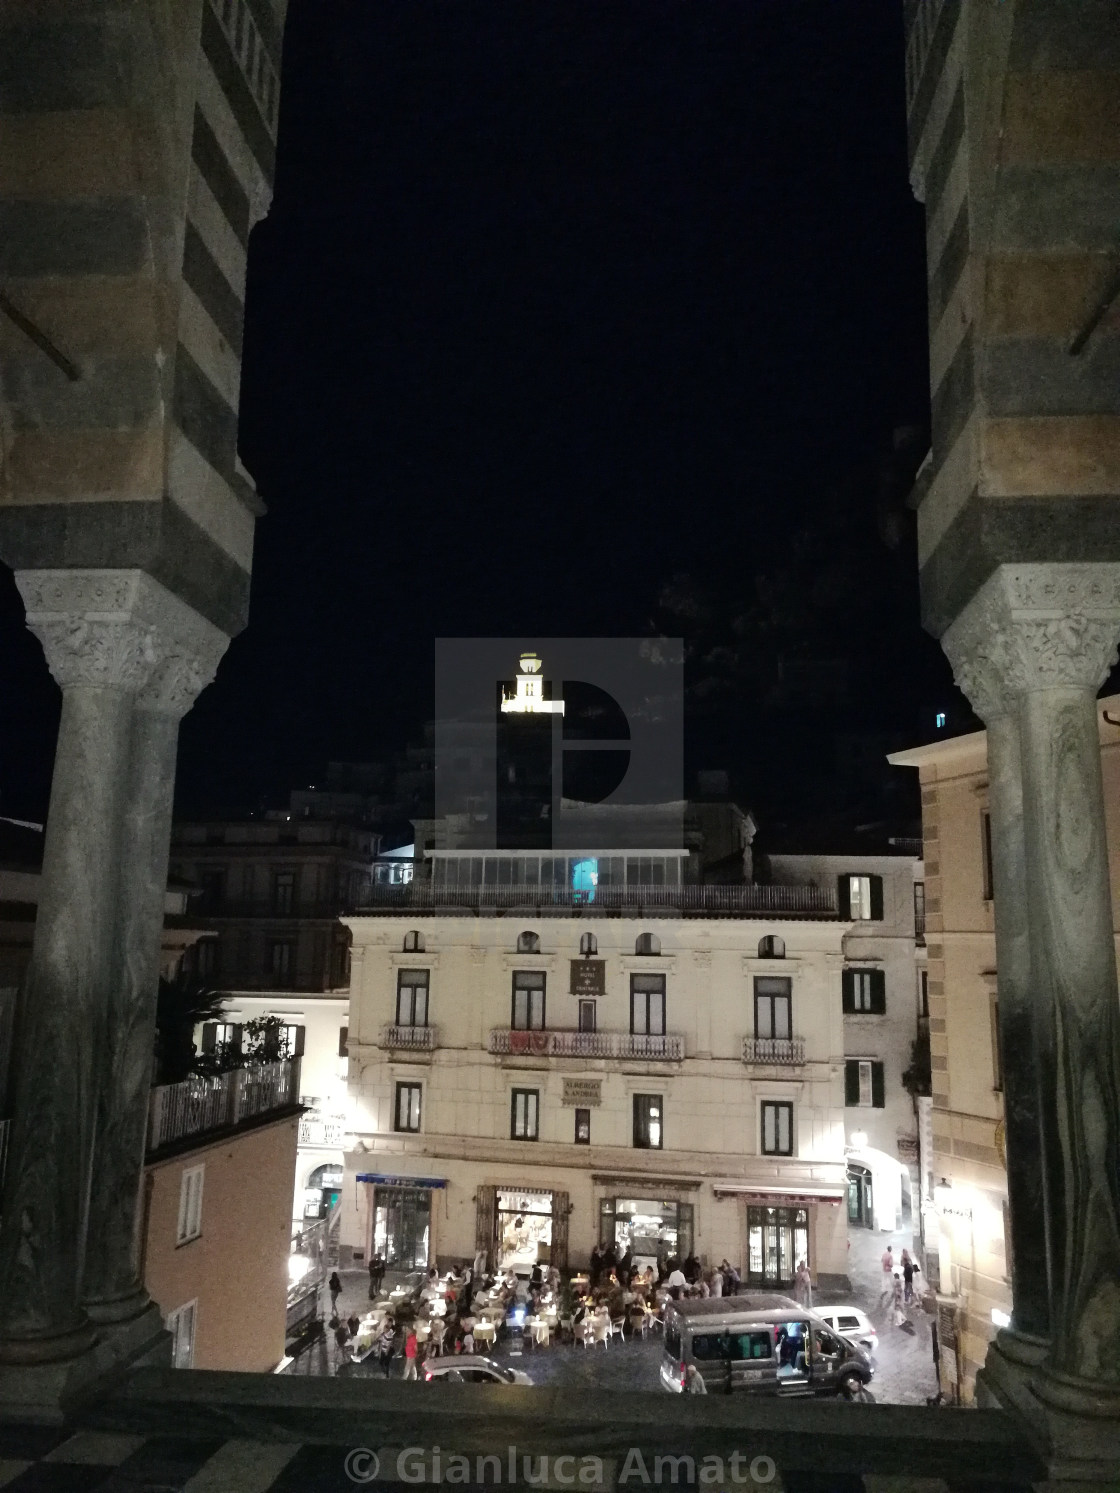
point(219, 1101)
point(567, 1044)
point(665, 901)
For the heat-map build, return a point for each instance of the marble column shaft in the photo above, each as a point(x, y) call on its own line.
point(188, 651)
point(1043, 638)
point(100, 655)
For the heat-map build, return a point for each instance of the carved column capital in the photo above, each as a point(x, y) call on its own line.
point(1035, 627)
point(120, 629)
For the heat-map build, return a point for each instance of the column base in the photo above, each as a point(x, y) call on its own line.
point(48, 1393)
point(118, 1309)
point(1075, 1428)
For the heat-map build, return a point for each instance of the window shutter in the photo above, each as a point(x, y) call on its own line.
point(878, 1097)
point(876, 898)
point(486, 1223)
point(843, 898)
point(343, 1039)
point(209, 1035)
point(297, 1046)
point(878, 991)
point(848, 989)
point(851, 1083)
point(559, 1251)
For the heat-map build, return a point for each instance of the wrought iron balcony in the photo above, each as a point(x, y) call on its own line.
point(785, 1052)
point(568, 1044)
point(413, 1038)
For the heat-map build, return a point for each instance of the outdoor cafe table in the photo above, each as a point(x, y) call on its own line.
point(486, 1332)
point(538, 1329)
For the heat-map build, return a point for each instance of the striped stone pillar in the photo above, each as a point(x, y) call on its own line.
point(137, 149)
point(1014, 123)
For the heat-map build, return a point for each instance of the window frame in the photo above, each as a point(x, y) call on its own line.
point(778, 1106)
point(852, 990)
point(855, 1088)
point(529, 991)
point(287, 962)
point(640, 998)
point(411, 1088)
point(583, 1122)
point(413, 985)
point(773, 996)
point(172, 1322)
point(587, 1015)
point(645, 1122)
point(283, 906)
point(647, 945)
point(189, 1223)
point(532, 1114)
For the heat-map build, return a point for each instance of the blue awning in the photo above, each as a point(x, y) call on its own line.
point(384, 1180)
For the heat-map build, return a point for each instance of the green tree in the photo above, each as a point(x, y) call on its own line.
point(180, 1005)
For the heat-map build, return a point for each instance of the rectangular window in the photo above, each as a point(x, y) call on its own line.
point(773, 1006)
point(864, 992)
point(986, 852)
point(583, 1127)
point(528, 1000)
point(587, 1016)
point(525, 1110)
point(412, 997)
point(180, 1324)
point(407, 1109)
point(923, 993)
point(864, 1085)
point(280, 962)
point(283, 893)
point(777, 1127)
point(343, 1041)
point(920, 910)
point(647, 1005)
point(648, 1117)
point(190, 1204)
point(861, 898)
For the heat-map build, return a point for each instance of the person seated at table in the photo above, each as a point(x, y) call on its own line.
point(468, 1341)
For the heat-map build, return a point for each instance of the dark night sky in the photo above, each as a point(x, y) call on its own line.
point(556, 300)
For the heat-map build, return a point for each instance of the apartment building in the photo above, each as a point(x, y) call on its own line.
point(885, 1012)
point(548, 1051)
point(966, 1224)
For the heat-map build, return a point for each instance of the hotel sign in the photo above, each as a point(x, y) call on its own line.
point(583, 1093)
point(588, 977)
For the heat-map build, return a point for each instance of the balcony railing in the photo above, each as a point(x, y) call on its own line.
point(784, 1051)
point(414, 1038)
point(566, 1044)
point(670, 901)
point(201, 1103)
point(314, 1130)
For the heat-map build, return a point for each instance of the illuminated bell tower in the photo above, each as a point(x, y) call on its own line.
point(525, 796)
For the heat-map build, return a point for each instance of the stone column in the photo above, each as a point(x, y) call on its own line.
point(1052, 630)
point(100, 651)
point(188, 650)
point(986, 674)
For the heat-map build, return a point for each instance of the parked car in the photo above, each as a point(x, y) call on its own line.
point(761, 1345)
point(471, 1368)
point(851, 1323)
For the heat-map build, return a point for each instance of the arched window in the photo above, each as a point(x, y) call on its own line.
point(588, 943)
point(647, 943)
point(414, 942)
point(528, 943)
point(327, 1175)
point(772, 947)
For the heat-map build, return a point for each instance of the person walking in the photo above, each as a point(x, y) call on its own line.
point(887, 1263)
point(694, 1382)
point(908, 1268)
point(385, 1346)
point(898, 1316)
point(411, 1350)
point(376, 1275)
point(803, 1286)
point(334, 1286)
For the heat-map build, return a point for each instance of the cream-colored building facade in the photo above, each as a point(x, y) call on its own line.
point(691, 1097)
point(966, 1218)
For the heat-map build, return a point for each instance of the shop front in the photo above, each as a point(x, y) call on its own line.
point(654, 1229)
point(519, 1227)
point(401, 1218)
point(781, 1232)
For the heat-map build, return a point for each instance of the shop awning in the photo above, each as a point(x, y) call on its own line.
point(774, 1197)
point(383, 1179)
